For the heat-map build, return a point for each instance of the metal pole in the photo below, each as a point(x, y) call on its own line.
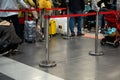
point(96, 52)
point(47, 40)
point(67, 36)
point(96, 34)
point(47, 62)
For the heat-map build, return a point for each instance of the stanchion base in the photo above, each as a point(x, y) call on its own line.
point(93, 53)
point(47, 64)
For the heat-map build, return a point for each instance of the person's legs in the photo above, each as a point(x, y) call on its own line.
point(101, 21)
point(18, 28)
point(79, 21)
point(71, 25)
point(100, 18)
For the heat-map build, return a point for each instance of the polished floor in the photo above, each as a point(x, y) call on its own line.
point(72, 59)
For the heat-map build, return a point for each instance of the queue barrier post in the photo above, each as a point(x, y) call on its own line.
point(67, 35)
point(47, 62)
point(96, 52)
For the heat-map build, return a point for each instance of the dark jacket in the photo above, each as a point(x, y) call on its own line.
point(8, 35)
point(76, 5)
point(106, 2)
point(63, 4)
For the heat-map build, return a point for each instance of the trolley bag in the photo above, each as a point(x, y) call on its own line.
point(30, 30)
point(61, 25)
point(52, 27)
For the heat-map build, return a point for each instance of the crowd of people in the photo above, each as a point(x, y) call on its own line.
point(75, 7)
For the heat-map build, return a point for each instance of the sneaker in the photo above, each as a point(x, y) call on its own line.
point(81, 34)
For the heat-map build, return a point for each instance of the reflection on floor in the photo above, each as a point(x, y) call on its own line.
point(72, 58)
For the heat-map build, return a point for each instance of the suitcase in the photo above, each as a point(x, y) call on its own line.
point(61, 25)
point(52, 27)
point(30, 31)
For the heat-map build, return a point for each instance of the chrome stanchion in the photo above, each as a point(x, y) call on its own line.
point(67, 35)
point(47, 62)
point(96, 52)
point(43, 20)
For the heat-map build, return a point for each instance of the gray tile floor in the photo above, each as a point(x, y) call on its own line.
point(73, 59)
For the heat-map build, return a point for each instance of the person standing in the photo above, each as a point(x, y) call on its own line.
point(63, 5)
point(104, 5)
point(12, 16)
point(76, 7)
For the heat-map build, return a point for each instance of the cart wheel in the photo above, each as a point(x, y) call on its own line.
point(103, 41)
point(116, 44)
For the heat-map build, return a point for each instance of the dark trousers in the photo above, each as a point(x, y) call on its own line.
point(14, 19)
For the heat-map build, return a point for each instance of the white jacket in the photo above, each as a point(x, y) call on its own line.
point(10, 5)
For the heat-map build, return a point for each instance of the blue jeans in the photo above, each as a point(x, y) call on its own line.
point(101, 21)
point(72, 22)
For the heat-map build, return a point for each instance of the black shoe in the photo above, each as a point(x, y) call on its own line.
point(81, 34)
point(72, 35)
